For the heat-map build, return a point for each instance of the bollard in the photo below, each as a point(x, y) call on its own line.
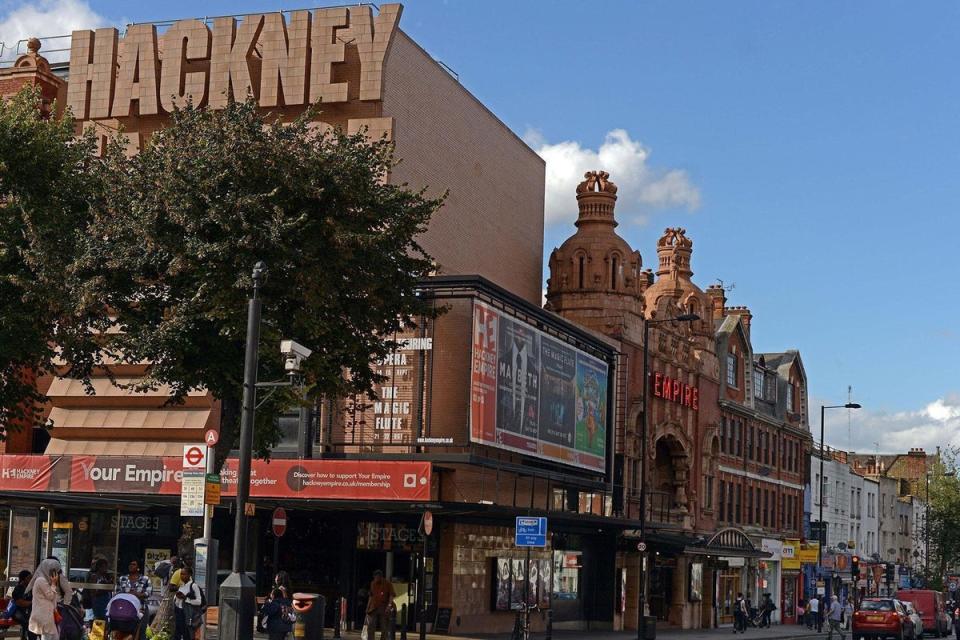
point(549, 635)
point(403, 622)
point(392, 625)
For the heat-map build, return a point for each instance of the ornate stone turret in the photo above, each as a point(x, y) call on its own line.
point(674, 292)
point(595, 276)
point(33, 69)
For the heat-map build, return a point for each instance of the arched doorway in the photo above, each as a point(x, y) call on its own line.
point(671, 471)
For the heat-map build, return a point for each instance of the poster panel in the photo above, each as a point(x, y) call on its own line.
point(534, 394)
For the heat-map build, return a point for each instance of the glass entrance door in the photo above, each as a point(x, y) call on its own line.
point(729, 586)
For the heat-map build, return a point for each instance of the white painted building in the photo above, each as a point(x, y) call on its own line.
point(871, 520)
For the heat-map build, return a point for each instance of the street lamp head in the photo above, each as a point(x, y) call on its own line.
point(852, 405)
point(687, 317)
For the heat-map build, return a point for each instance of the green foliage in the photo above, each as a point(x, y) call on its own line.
point(943, 523)
point(46, 176)
point(179, 226)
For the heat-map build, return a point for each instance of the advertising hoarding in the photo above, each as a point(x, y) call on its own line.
point(534, 394)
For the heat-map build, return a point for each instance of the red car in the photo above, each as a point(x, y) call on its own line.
point(932, 609)
point(882, 618)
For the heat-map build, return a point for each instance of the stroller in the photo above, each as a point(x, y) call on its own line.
point(123, 617)
point(71, 622)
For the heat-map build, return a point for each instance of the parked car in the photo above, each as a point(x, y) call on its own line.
point(882, 618)
point(915, 617)
point(931, 605)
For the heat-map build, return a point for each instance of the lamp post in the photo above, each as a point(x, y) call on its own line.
point(823, 529)
point(237, 594)
point(686, 317)
point(926, 528)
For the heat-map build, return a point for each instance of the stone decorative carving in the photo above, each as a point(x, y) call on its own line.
point(597, 182)
point(674, 237)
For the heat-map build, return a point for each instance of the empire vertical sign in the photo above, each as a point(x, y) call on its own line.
point(534, 394)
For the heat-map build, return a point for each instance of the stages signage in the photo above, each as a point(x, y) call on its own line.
point(675, 391)
point(534, 394)
point(315, 479)
point(333, 55)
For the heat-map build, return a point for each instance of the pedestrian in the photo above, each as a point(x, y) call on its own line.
point(277, 615)
point(187, 603)
point(137, 585)
point(848, 614)
point(379, 606)
point(767, 609)
point(739, 614)
point(95, 600)
point(281, 581)
point(834, 617)
point(48, 587)
point(21, 600)
point(815, 621)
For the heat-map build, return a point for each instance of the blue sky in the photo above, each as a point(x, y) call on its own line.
point(809, 148)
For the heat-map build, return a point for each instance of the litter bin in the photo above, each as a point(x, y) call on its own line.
point(649, 628)
point(309, 609)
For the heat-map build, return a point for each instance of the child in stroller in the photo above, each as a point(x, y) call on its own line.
point(124, 618)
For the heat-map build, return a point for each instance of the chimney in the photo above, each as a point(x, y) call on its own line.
point(745, 316)
point(718, 299)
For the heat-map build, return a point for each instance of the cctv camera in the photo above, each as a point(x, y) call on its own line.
point(294, 354)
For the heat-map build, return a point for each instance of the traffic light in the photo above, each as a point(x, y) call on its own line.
point(888, 573)
point(855, 567)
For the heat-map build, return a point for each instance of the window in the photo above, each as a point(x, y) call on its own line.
point(750, 432)
point(757, 383)
point(580, 274)
point(708, 490)
point(790, 397)
point(739, 512)
point(770, 387)
point(732, 369)
point(766, 498)
point(613, 273)
point(729, 502)
point(723, 499)
point(739, 434)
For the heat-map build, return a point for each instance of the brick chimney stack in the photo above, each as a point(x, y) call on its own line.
point(718, 300)
point(745, 316)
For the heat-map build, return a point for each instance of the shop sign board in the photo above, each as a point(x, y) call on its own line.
point(192, 488)
point(790, 555)
point(313, 479)
point(809, 552)
point(773, 547)
point(533, 394)
point(530, 532)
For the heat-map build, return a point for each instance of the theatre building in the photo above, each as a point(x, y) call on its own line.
point(494, 410)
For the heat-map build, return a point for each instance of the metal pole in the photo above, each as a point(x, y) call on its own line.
point(926, 529)
point(642, 596)
point(246, 421)
point(823, 528)
point(526, 596)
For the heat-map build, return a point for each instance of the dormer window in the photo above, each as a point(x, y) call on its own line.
point(790, 398)
point(732, 369)
point(758, 383)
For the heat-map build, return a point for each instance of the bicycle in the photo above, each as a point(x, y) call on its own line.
point(521, 626)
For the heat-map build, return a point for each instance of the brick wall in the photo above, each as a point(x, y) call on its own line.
point(492, 222)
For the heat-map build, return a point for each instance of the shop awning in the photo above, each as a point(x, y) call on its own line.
point(172, 418)
point(727, 542)
point(58, 447)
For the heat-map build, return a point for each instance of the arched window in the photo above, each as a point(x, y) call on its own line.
point(580, 274)
point(613, 273)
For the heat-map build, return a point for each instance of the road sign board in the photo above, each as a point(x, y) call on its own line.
point(211, 437)
point(194, 456)
point(191, 493)
point(953, 586)
point(279, 521)
point(641, 546)
point(427, 523)
point(530, 532)
point(212, 495)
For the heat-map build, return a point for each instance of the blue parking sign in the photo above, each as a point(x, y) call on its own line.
point(530, 532)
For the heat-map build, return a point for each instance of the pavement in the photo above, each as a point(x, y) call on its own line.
point(777, 632)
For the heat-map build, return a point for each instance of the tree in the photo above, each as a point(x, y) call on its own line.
point(943, 518)
point(46, 178)
point(172, 244)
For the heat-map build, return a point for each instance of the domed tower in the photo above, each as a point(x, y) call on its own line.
point(674, 292)
point(595, 277)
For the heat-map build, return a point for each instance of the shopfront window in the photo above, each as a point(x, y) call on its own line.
point(566, 574)
point(82, 536)
point(4, 542)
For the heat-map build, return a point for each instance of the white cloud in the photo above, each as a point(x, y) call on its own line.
point(935, 424)
point(642, 189)
point(44, 19)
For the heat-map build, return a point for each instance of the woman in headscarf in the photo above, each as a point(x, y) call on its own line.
point(48, 587)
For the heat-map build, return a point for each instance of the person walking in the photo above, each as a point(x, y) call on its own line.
point(281, 581)
point(379, 606)
point(276, 611)
point(848, 615)
point(739, 614)
point(834, 617)
point(21, 599)
point(815, 621)
point(96, 600)
point(186, 603)
point(767, 609)
point(139, 586)
point(48, 587)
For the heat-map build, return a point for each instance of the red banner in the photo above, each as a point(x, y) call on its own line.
point(313, 479)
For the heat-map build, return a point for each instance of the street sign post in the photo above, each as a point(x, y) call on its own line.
point(279, 521)
point(530, 532)
point(192, 487)
point(194, 456)
point(211, 437)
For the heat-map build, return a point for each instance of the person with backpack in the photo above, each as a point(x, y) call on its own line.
point(277, 615)
point(188, 603)
point(739, 614)
point(21, 603)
